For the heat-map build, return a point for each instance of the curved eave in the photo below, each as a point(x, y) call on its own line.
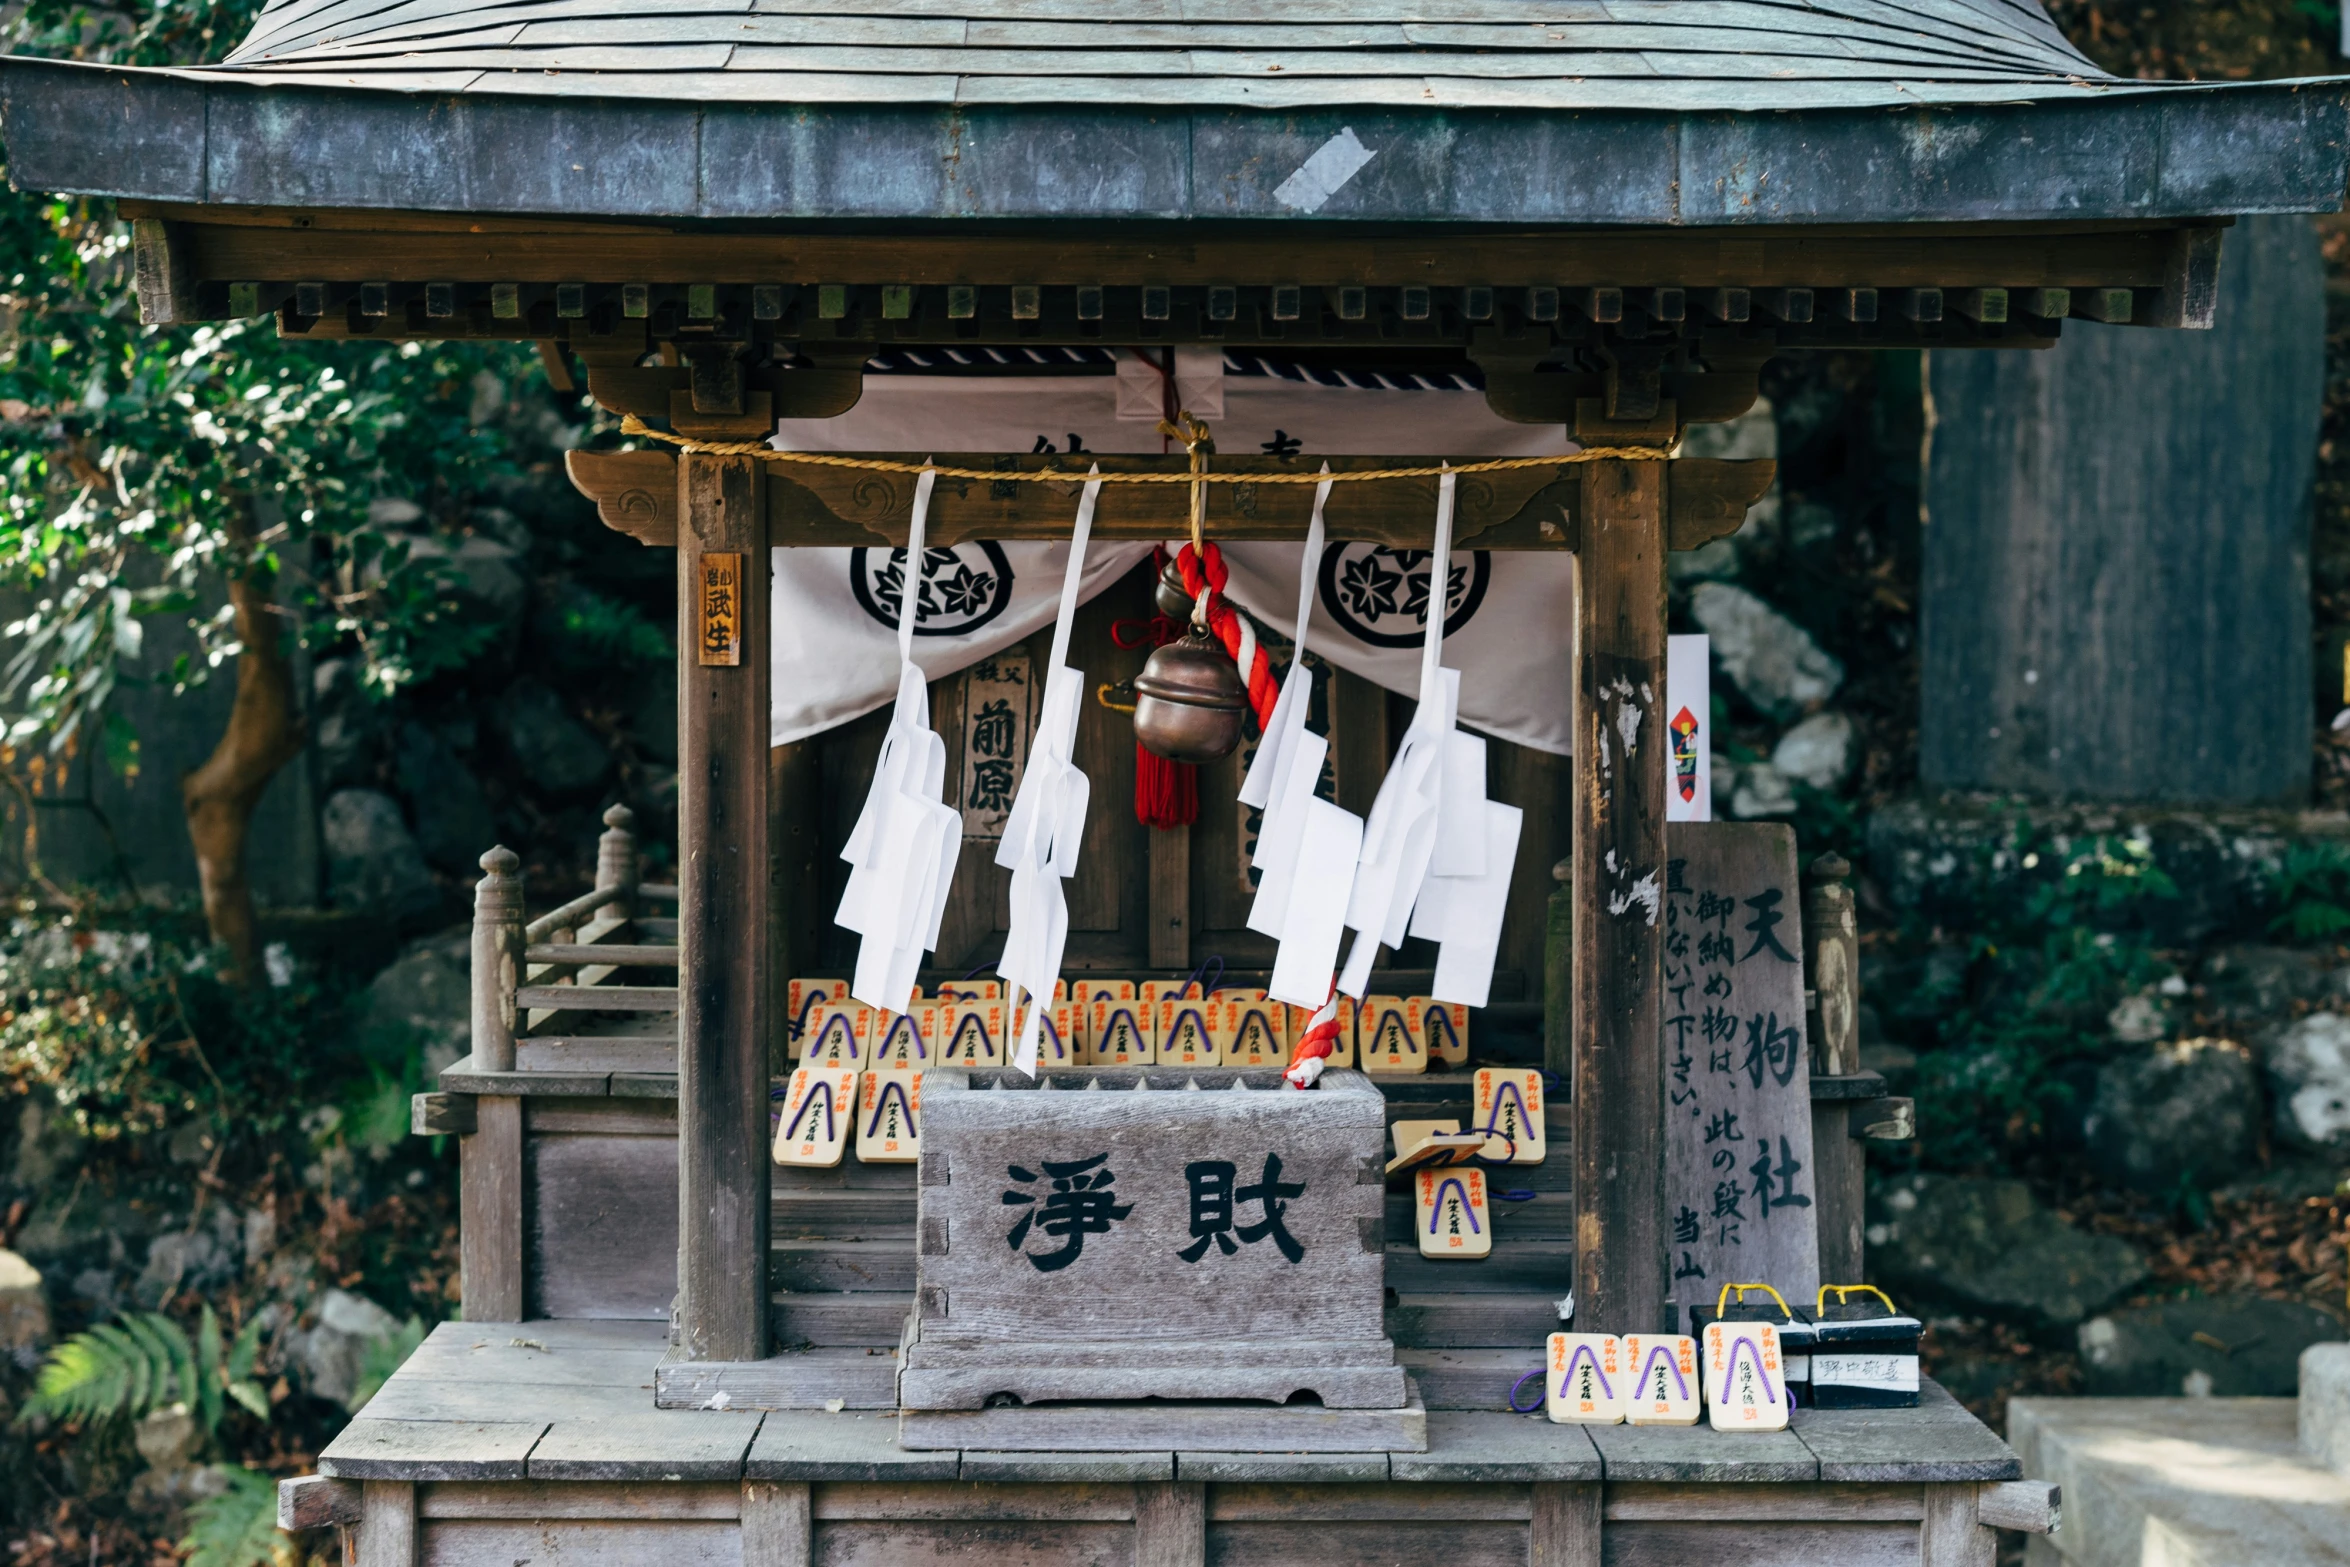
point(2130, 151)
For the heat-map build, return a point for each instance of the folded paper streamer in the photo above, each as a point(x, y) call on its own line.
point(1047, 824)
point(902, 851)
point(1436, 853)
point(1306, 847)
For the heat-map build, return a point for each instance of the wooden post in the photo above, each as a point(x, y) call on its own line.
point(777, 1531)
point(1558, 973)
point(1170, 1523)
point(387, 1524)
point(1831, 954)
point(722, 1017)
point(1618, 877)
point(616, 861)
point(1565, 1529)
point(497, 959)
point(489, 1211)
point(1170, 898)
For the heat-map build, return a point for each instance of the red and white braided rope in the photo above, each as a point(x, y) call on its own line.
point(1315, 1047)
point(1231, 628)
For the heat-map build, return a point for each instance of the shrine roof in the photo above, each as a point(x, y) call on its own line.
point(1629, 111)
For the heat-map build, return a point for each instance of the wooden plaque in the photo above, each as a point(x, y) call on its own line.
point(1254, 1030)
point(1186, 1037)
point(1745, 1377)
point(803, 995)
point(889, 1118)
point(1385, 1042)
point(838, 1034)
point(1121, 1032)
point(819, 1106)
point(1451, 1216)
point(1443, 1027)
point(906, 1041)
point(1584, 1381)
point(971, 1033)
point(1508, 1108)
point(1739, 1181)
point(1665, 1381)
point(719, 612)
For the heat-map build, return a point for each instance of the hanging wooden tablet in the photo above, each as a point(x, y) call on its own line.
point(1452, 1218)
point(1184, 1035)
point(1584, 1382)
point(1665, 1384)
point(971, 1033)
point(889, 1118)
point(803, 994)
point(819, 1107)
point(838, 1033)
point(1508, 1107)
point(1384, 1040)
point(1442, 1027)
point(1121, 1032)
point(1253, 1030)
point(1745, 1381)
point(906, 1041)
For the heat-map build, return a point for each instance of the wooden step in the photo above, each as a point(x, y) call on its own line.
point(609, 954)
point(851, 1174)
point(597, 998)
point(1513, 1266)
point(860, 1378)
point(1472, 1378)
point(1452, 1320)
point(840, 1213)
point(881, 1262)
point(867, 1319)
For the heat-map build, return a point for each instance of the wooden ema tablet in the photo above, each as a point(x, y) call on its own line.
point(1384, 1041)
point(970, 990)
point(1186, 1032)
point(1253, 1030)
point(889, 1118)
point(1432, 1143)
point(1584, 1382)
point(1509, 1112)
point(838, 1033)
point(1121, 1032)
point(1665, 1385)
point(970, 1033)
point(1745, 1381)
point(1083, 993)
point(802, 995)
point(1442, 1027)
point(1059, 1042)
point(1452, 1218)
point(819, 1107)
point(906, 1041)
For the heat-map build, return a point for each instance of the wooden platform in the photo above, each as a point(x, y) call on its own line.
point(540, 1441)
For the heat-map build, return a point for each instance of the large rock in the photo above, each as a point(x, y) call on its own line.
point(1757, 789)
point(1990, 1246)
point(2227, 1346)
point(372, 862)
point(554, 750)
point(332, 1353)
point(1817, 751)
point(426, 995)
point(2308, 1066)
point(453, 821)
point(2187, 1111)
point(24, 1306)
point(1772, 661)
point(2325, 1406)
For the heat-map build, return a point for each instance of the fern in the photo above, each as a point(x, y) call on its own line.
point(143, 1361)
point(238, 1527)
point(2312, 888)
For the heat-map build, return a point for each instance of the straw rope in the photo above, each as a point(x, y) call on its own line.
point(632, 425)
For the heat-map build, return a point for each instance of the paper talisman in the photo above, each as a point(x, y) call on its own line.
point(1665, 1384)
point(889, 1118)
point(1689, 729)
point(906, 1041)
point(1509, 1111)
point(1443, 1027)
point(1384, 1041)
point(1745, 1382)
point(819, 1107)
point(1453, 1220)
point(1122, 1032)
point(1584, 1382)
point(838, 1033)
point(1185, 1037)
point(1253, 1029)
point(970, 1033)
point(803, 994)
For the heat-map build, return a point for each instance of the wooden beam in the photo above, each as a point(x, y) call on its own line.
point(489, 1212)
point(722, 910)
point(1526, 508)
point(1618, 873)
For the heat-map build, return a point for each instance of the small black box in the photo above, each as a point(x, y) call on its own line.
point(1793, 1322)
point(1864, 1352)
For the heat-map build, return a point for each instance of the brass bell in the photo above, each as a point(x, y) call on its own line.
point(1190, 701)
point(1173, 598)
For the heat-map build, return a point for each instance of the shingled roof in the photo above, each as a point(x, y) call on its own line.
point(1263, 54)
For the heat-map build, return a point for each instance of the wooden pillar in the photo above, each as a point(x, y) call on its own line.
point(497, 959)
point(777, 1529)
point(1170, 1523)
point(1618, 879)
point(387, 1524)
point(1565, 1528)
point(722, 909)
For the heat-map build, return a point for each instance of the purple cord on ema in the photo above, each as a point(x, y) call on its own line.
point(1524, 1409)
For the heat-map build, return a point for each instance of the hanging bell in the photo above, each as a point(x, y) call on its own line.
point(1189, 701)
point(1173, 598)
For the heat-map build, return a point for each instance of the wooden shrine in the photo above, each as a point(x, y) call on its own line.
point(714, 217)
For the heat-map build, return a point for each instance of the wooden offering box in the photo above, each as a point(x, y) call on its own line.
point(1169, 1235)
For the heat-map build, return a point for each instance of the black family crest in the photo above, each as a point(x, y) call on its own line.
point(964, 586)
point(1379, 596)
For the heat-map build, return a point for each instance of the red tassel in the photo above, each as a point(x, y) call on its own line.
point(1166, 794)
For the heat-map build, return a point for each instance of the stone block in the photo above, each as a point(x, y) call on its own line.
point(2324, 1414)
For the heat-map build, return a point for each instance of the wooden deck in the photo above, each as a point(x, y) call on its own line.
point(540, 1442)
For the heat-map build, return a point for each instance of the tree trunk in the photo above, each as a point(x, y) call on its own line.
point(264, 733)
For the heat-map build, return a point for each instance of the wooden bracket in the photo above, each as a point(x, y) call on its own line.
point(2027, 1506)
point(1593, 427)
point(159, 268)
point(441, 1115)
point(315, 1501)
point(1885, 1120)
point(635, 492)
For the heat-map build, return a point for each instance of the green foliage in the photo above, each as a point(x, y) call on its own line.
point(2312, 891)
point(384, 1356)
point(587, 627)
point(2009, 1018)
point(238, 1527)
point(142, 1362)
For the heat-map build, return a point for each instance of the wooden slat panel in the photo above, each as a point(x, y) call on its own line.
point(847, 1544)
point(603, 1227)
point(574, 1499)
point(1367, 1544)
point(496, 1543)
